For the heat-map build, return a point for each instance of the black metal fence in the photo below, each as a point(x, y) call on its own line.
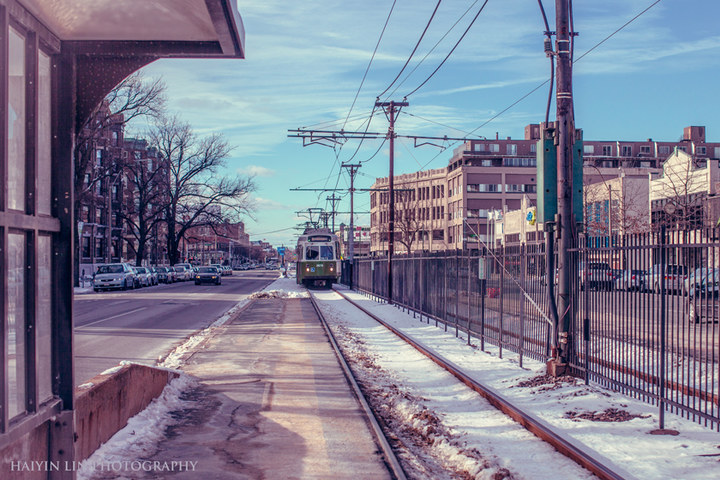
point(645, 308)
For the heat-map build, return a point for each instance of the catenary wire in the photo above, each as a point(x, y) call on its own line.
point(414, 50)
point(451, 51)
point(370, 62)
point(397, 87)
point(546, 81)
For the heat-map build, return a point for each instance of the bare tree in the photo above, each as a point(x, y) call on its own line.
point(682, 190)
point(96, 151)
point(144, 207)
point(407, 222)
point(197, 195)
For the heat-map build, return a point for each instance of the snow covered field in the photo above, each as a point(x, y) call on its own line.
point(441, 426)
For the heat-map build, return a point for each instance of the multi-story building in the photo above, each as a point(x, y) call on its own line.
point(225, 244)
point(487, 176)
point(361, 240)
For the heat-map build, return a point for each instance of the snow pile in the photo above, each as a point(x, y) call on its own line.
point(142, 434)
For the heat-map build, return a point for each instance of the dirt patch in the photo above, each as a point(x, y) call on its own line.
point(548, 382)
point(608, 415)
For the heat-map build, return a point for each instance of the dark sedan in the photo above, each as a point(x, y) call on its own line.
point(208, 275)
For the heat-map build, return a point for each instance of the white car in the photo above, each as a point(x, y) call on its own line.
point(114, 275)
point(183, 273)
point(144, 277)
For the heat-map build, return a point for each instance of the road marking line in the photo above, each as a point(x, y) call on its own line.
point(110, 318)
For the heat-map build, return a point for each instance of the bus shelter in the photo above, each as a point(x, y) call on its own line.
point(59, 59)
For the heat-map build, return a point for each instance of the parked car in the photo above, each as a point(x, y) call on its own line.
point(704, 309)
point(143, 277)
point(163, 275)
point(597, 275)
point(114, 276)
point(153, 275)
point(209, 274)
point(172, 274)
point(704, 283)
point(631, 280)
point(674, 277)
point(182, 273)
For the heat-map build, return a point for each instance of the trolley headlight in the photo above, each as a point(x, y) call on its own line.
point(332, 268)
point(307, 269)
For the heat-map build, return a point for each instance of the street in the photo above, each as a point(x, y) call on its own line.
point(143, 325)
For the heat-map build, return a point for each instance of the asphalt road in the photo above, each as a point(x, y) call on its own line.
point(144, 325)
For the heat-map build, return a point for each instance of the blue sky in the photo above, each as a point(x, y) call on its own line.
point(305, 61)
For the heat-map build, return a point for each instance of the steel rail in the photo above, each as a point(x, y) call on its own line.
point(576, 451)
point(391, 460)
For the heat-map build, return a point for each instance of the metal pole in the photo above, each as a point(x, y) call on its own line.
point(565, 137)
point(391, 106)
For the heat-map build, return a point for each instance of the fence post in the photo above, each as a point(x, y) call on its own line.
point(457, 292)
point(469, 295)
point(522, 301)
point(483, 291)
point(501, 297)
point(663, 261)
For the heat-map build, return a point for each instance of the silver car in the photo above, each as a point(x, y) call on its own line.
point(144, 278)
point(114, 276)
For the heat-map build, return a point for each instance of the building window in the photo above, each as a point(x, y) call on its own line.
point(98, 157)
point(589, 149)
point(627, 151)
point(511, 149)
point(702, 150)
point(645, 149)
point(16, 324)
point(607, 150)
point(16, 121)
point(664, 150)
point(533, 147)
point(495, 147)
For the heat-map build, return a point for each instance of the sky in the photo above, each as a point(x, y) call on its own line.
point(468, 434)
point(305, 62)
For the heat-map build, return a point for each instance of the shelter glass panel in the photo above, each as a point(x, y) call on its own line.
point(15, 296)
point(16, 120)
point(43, 327)
point(44, 188)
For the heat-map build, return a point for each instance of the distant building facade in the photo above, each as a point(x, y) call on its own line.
point(486, 176)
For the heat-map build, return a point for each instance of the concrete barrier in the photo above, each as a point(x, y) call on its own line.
point(104, 408)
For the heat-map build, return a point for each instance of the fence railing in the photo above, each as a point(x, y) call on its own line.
point(645, 309)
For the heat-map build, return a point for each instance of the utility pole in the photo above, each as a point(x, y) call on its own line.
point(391, 109)
point(352, 170)
point(333, 202)
point(565, 138)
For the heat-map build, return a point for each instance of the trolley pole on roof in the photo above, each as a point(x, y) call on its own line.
point(565, 138)
point(391, 109)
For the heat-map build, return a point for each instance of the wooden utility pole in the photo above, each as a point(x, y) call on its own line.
point(352, 170)
point(391, 109)
point(333, 202)
point(565, 138)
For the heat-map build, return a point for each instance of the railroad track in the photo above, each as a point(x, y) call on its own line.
point(391, 459)
point(575, 451)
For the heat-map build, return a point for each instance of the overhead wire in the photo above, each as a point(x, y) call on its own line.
point(546, 81)
point(451, 51)
point(367, 69)
point(417, 44)
point(397, 87)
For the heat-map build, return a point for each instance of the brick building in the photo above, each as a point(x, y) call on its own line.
point(449, 208)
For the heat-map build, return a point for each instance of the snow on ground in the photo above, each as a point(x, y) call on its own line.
point(609, 423)
point(124, 452)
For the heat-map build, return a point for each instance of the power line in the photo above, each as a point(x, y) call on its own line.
point(433, 48)
point(546, 81)
point(414, 50)
point(370, 63)
point(451, 51)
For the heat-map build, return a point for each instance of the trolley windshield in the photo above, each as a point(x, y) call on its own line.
point(319, 252)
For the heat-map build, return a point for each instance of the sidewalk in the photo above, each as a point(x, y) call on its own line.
point(266, 398)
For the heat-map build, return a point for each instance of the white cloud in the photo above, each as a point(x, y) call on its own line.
point(256, 171)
